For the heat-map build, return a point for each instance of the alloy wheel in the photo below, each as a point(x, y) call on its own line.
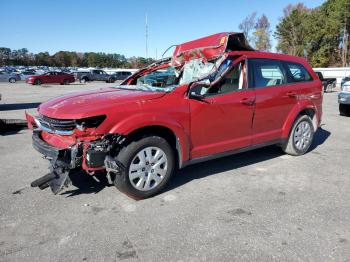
point(302, 135)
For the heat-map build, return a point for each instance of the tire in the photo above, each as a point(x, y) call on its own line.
point(12, 80)
point(145, 182)
point(83, 80)
point(37, 82)
point(344, 110)
point(2, 126)
point(66, 82)
point(111, 80)
point(300, 137)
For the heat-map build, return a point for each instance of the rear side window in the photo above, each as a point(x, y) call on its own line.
point(297, 73)
point(266, 72)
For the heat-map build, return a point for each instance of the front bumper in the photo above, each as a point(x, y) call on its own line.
point(88, 153)
point(44, 148)
point(344, 98)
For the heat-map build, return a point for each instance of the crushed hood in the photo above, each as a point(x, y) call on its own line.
point(210, 47)
point(92, 103)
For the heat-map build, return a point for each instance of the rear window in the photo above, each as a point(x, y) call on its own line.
point(297, 73)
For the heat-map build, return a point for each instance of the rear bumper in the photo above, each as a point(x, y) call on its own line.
point(344, 98)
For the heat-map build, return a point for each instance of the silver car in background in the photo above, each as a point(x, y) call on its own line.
point(9, 77)
point(344, 99)
point(26, 74)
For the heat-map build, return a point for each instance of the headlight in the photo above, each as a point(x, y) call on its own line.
point(89, 122)
point(346, 88)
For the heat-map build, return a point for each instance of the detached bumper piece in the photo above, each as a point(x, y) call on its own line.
point(62, 162)
point(55, 180)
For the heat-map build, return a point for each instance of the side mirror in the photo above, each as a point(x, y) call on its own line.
point(196, 86)
point(198, 97)
point(204, 83)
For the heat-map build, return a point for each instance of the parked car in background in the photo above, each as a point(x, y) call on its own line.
point(93, 75)
point(344, 99)
point(51, 77)
point(180, 111)
point(344, 80)
point(26, 74)
point(328, 83)
point(121, 75)
point(9, 77)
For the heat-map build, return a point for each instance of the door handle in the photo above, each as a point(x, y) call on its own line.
point(292, 94)
point(248, 101)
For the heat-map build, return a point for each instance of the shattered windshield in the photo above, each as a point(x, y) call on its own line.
point(160, 80)
point(168, 78)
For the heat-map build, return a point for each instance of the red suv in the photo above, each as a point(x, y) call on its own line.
point(214, 97)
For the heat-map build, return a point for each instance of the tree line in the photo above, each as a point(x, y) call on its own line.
point(70, 59)
point(321, 34)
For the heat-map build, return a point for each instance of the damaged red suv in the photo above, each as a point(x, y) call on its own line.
point(214, 97)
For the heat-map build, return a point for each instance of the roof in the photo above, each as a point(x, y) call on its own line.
point(210, 47)
point(260, 54)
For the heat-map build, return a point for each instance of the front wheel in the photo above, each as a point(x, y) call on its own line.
point(300, 137)
point(12, 80)
point(66, 82)
point(37, 82)
point(149, 163)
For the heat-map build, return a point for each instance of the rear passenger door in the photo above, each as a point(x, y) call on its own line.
point(275, 98)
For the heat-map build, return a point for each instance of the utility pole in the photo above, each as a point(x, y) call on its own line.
point(146, 37)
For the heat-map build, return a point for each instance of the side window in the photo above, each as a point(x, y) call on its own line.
point(267, 72)
point(297, 73)
point(232, 81)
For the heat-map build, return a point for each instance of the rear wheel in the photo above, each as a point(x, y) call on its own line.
point(37, 82)
point(12, 80)
point(149, 163)
point(344, 110)
point(83, 80)
point(300, 137)
point(66, 82)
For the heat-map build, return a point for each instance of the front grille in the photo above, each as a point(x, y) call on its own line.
point(57, 124)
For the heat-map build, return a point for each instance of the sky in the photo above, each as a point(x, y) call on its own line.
point(118, 26)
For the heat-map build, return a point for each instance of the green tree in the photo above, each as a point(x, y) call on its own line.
point(261, 35)
point(291, 31)
point(317, 34)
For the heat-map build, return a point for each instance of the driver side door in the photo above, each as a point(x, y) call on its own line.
point(222, 121)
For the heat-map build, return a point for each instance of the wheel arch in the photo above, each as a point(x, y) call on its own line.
point(308, 110)
point(160, 131)
point(172, 131)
